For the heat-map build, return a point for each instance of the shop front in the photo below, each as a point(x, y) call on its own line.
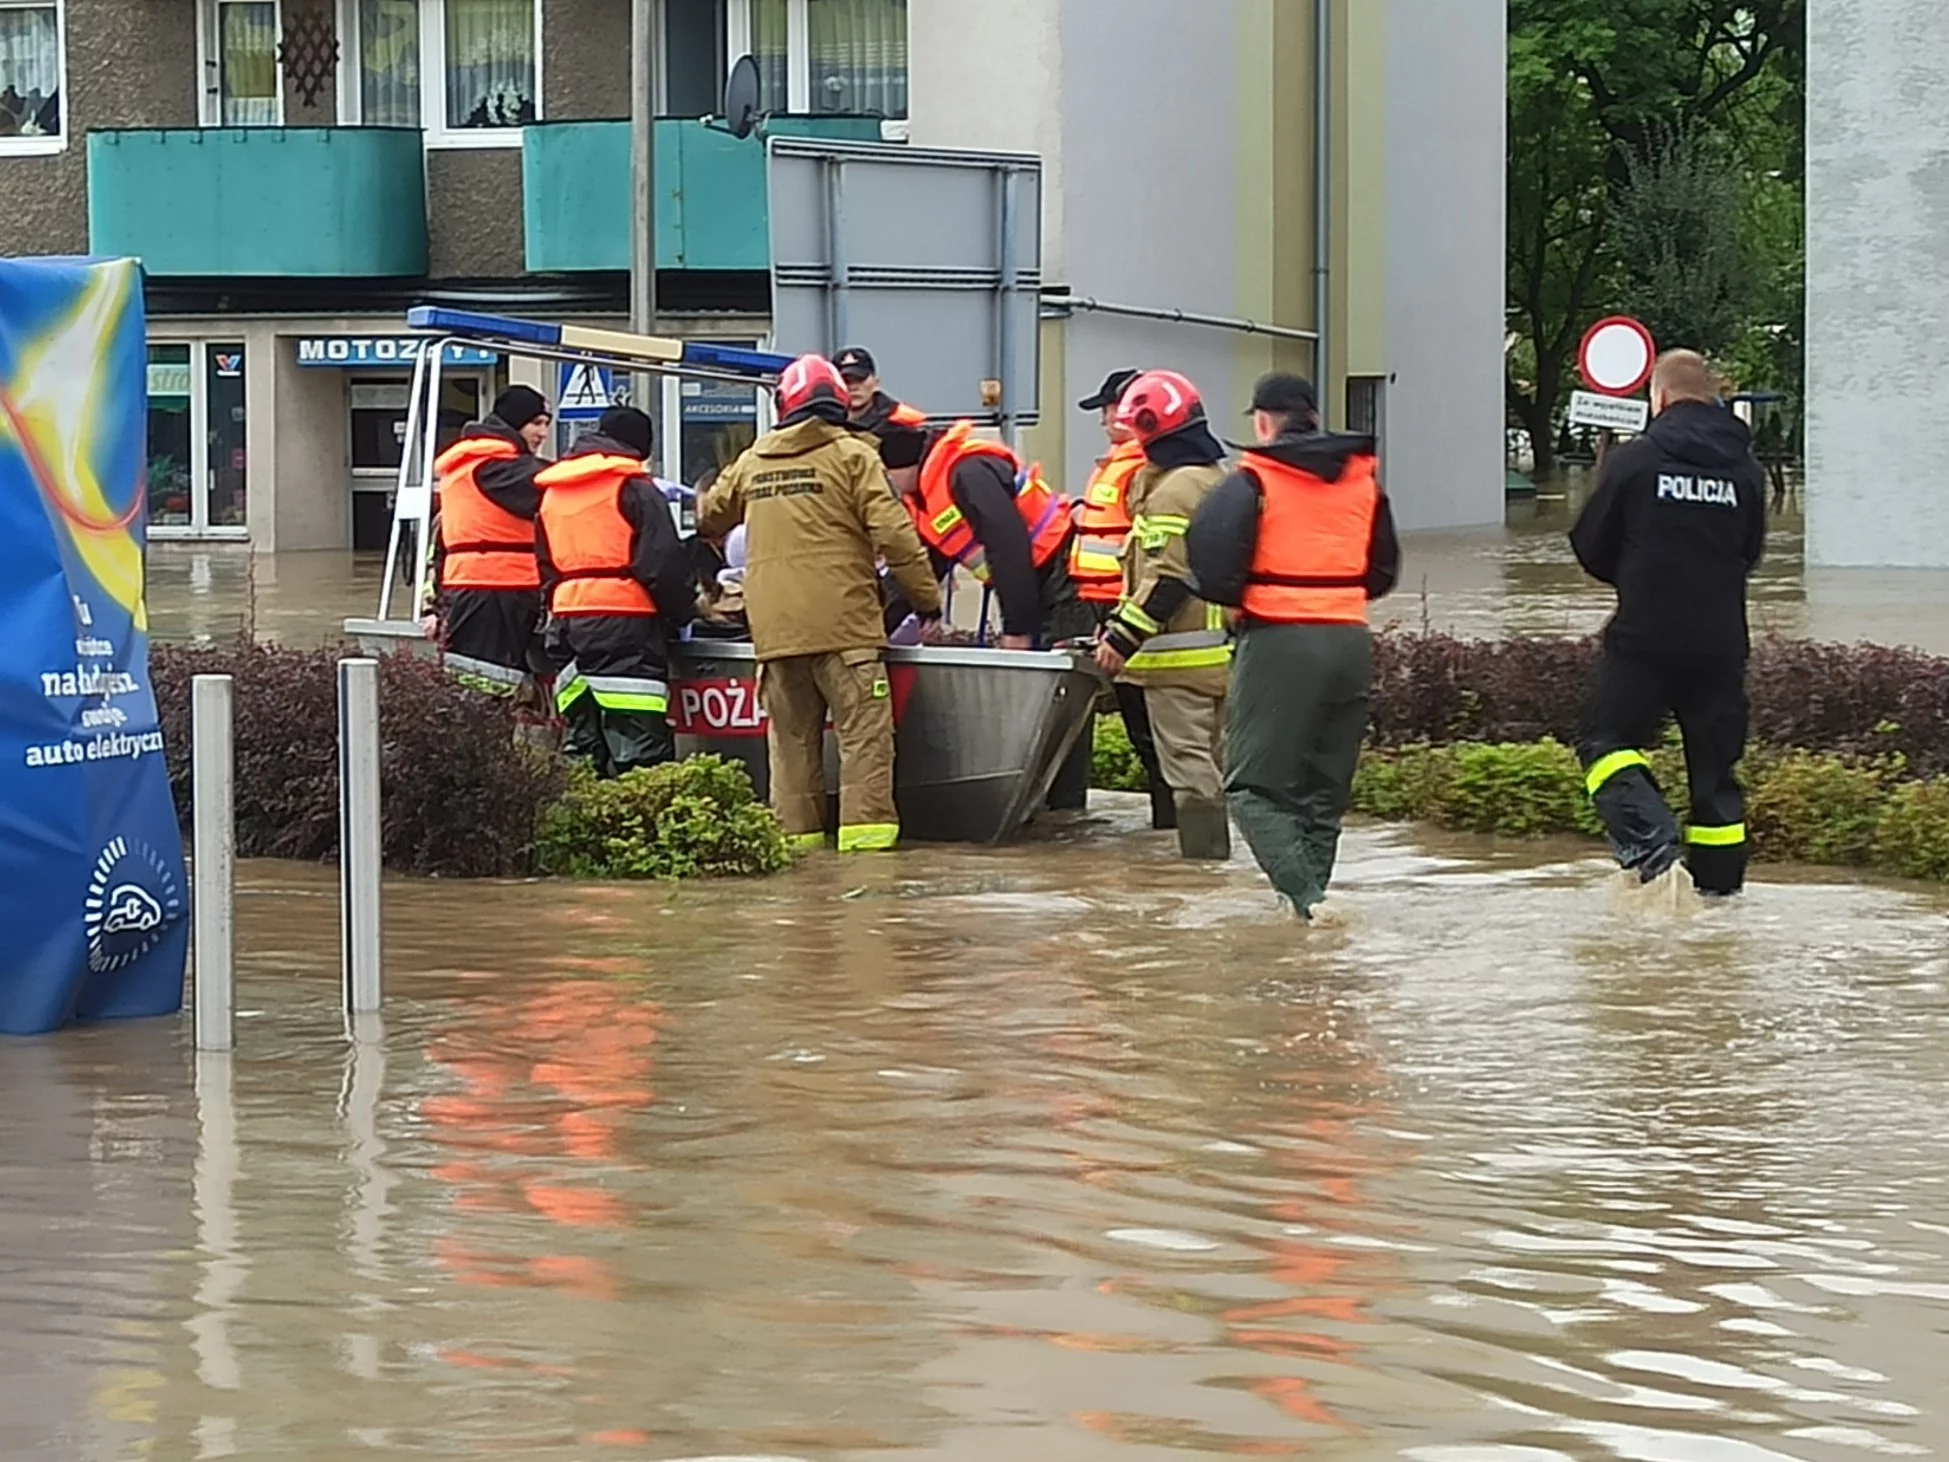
point(198, 460)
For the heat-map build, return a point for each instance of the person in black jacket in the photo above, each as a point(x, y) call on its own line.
point(620, 590)
point(1298, 540)
point(1677, 524)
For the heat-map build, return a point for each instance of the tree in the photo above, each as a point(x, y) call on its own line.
point(1679, 228)
point(1595, 86)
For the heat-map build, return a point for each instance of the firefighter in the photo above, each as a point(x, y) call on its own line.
point(484, 571)
point(1677, 525)
point(868, 408)
point(817, 515)
point(1096, 567)
point(1298, 539)
point(1163, 636)
point(620, 590)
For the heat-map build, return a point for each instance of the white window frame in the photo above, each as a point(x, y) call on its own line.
point(433, 79)
point(45, 146)
point(209, 65)
point(202, 469)
point(798, 57)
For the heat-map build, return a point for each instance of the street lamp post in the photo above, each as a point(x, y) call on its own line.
point(642, 182)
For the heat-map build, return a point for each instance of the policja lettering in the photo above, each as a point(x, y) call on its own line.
point(1676, 487)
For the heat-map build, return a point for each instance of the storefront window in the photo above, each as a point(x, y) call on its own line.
point(224, 385)
point(171, 463)
point(378, 419)
point(719, 421)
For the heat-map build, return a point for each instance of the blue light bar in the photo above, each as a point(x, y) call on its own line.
point(735, 358)
point(467, 323)
point(511, 332)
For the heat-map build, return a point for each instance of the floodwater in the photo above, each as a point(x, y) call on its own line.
point(1058, 1152)
point(1061, 1152)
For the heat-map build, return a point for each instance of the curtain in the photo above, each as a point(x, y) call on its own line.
point(490, 63)
point(30, 72)
point(768, 49)
point(247, 62)
point(859, 56)
point(389, 63)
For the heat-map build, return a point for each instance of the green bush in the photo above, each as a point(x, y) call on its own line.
point(1519, 791)
point(1812, 808)
point(688, 819)
point(1912, 838)
point(1406, 784)
point(1114, 766)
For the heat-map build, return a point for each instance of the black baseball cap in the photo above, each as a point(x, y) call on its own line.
point(1285, 395)
point(1110, 392)
point(856, 363)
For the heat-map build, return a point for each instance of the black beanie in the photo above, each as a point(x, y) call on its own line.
point(519, 405)
point(629, 426)
point(901, 446)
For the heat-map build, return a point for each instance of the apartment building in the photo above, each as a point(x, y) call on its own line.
point(294, 173)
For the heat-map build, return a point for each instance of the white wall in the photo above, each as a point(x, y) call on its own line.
point(1877, 282)
point(1446, 66)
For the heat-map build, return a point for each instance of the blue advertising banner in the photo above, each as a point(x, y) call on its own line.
point(94, 900)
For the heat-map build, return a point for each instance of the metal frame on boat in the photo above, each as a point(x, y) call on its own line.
point(981, 733)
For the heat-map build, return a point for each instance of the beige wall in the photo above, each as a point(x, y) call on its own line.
point(312, 492)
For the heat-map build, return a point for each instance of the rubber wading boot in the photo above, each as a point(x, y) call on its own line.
point(1163, 809)
point(1204, 830)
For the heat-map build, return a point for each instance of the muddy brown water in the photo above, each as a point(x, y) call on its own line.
point(1059, 1151)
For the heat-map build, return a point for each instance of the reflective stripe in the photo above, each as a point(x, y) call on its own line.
point(947, 520)
point(1730, 836)
point(805, 842)
point(487, 670)
point(882, 688)
point(1097, 556)
point(1191, 650)
point(869, 837)
point(1154, 533)
point(570, 687)
point(1606, 767)
point(629, 692)
point(1135, 617)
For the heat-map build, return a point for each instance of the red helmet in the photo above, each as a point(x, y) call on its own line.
point(1158, 403)
point(808, 379)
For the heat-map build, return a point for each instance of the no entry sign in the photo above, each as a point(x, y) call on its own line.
point(1616, 356)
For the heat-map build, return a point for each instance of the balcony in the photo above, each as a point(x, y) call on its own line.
point(711, 202)
point(281, 202)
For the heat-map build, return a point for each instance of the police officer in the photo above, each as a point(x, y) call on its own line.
point(1677, 524)
point(868, 408)
point(620, 589)
point(484, 544)
point(1298, 539)
point(1096, 567)
point(1163, 636)
point(817, 514)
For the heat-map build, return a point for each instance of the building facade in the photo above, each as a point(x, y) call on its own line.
point(295, 173)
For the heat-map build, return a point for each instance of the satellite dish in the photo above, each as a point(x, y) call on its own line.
point(741, 97)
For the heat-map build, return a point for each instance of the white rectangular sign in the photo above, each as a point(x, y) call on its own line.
point(1619, 413)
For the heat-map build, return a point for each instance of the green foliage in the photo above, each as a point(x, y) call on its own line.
point(695, 818)
point(1405, 784)
point(1518, 791)
point(1678, 226)
point(1912, 838)
point(1819, 809)
point(1114, 766)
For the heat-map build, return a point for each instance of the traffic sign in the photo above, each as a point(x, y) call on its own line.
point(584, 391)
point(1614, 413)
point(1616, 356)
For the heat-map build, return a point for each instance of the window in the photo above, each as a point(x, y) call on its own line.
point(31, 65)
point(248, 94)
point(694, 61)
point(197, 468)
point(467, 71)
point(827, 57)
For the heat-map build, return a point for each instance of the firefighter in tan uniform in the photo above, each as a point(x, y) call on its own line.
point(818, 512)
point(1162, 636)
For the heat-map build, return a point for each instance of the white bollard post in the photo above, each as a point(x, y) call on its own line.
point(213, 792)
point(358, 832)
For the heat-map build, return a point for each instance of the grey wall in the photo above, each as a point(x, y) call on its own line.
point(131, 63)
point(473, 213)
point(312, 507)
point(1877, 282)
point(1446, 63)
point(1149, 209)
point(585, 59)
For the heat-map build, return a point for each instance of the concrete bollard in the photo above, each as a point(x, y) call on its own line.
point(359, 846)
point(214, 838)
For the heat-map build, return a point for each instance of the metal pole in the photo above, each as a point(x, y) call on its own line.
point(1178, 317)
point(642, 182)
point(1323, 204)
point(213, 780)
point(358, 832)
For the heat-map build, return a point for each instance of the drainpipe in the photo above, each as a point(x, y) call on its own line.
point(1322, 201)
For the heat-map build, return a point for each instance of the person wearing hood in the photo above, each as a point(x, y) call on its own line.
point(1298, 540)
point(817, 517)
point(1677, 525)
point(487, 583)
point(1163, 635)
point(620, 589)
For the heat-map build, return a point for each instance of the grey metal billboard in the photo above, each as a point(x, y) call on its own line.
point(930, 258)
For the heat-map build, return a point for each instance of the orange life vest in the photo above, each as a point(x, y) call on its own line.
point(589, 539)
point(1102, 525)
point(1310, 566)
point(907, 416)
point(942, 525)
point(485, 546)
